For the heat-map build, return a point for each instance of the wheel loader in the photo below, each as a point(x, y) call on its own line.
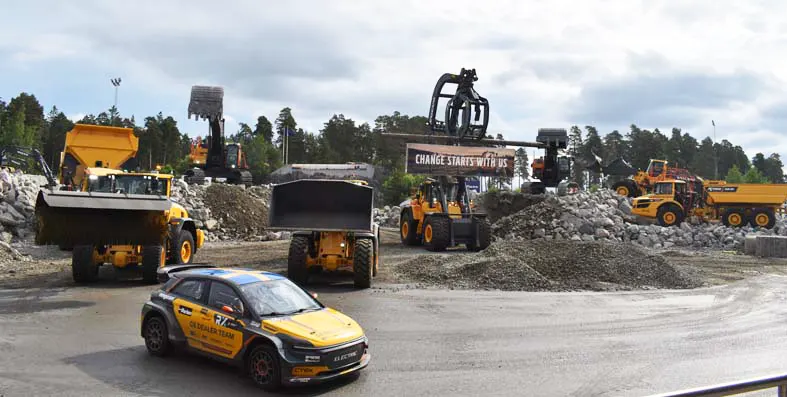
point(439, 216)
point(333, 227)
point(107, 215)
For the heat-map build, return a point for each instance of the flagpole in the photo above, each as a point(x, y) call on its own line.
point(287, 146)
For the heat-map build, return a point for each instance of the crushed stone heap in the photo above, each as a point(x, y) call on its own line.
point(542, 265)
point(606, 216)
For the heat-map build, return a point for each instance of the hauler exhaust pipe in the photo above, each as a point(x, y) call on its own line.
point(321, 205)
point(97, 218)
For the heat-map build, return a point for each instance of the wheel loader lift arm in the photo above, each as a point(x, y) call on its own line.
point(19, 157)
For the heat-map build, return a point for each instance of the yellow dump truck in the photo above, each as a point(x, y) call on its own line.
point(735, 205)
point(96, 146)
point(111, 216)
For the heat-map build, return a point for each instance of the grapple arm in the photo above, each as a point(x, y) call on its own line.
point(19, 157)
point(464, 110)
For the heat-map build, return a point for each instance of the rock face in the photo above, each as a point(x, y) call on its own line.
point(606, 216)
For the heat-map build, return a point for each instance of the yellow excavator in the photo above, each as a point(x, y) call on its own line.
point(109, 215)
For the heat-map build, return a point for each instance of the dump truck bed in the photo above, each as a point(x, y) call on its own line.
point(747, 194)
point(321, 205)
point(111, 146)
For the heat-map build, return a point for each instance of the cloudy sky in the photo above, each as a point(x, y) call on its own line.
point(604, 63)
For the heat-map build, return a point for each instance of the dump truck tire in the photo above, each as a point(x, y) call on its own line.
point(376, 250)
point(407, 228)
point(83, 268)
point(763, 217)
point(297, 270)
point(734, 218)
point(436, 233)
point(183, 248)
point(484, 236)
point(152, 256)
point(363, 263)
point(669, 215)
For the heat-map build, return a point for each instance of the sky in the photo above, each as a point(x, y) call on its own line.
point(656, 64)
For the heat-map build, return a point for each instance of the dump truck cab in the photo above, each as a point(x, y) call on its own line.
point(669, 203)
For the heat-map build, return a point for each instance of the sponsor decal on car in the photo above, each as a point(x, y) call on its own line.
point(186, 311)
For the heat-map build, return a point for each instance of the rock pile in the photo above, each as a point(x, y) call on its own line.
point(387, 216)
point(606, 216)
point(17, 208)
point(522, 265)
point(228, 212)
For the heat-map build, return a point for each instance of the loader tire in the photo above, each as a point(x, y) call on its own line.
point(484, 236)
point(183, 249)
point(669, 215)
point(297, 271)
point(407, 229)
point(626, 188)
point(436, 233)
point(152, 259)
point(363, 263)
point(83, 268)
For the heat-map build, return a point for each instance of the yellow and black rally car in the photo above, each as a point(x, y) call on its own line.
point(263, 322)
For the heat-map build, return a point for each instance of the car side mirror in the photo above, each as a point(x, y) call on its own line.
point(227, 309)
point(314, 295)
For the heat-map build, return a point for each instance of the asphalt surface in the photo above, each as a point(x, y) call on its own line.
point(84, 341)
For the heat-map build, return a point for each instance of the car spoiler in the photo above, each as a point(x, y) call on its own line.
point(163, 273)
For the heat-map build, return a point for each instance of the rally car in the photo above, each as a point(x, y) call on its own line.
point(260, 321)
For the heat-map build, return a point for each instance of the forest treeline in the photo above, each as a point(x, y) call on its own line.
point(24, 122)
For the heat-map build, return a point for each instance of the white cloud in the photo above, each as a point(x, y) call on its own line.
point(539, 63)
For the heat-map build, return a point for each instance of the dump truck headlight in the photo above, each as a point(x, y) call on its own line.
point(341, 245)
point(92, 177)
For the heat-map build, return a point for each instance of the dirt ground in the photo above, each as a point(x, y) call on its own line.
point(50, 267)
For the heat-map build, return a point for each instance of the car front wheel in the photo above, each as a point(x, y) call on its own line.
point(156, 336)
point(264, 368)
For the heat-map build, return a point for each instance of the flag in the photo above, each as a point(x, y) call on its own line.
point(289, 132)
point(713, 122)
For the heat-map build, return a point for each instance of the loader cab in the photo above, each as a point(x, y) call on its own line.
point(656, 168)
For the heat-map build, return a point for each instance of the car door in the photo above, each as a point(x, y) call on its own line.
point(190, 295)
point(224, 335)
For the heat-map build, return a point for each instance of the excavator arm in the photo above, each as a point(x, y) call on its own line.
point(19, 157)
point(207, 103)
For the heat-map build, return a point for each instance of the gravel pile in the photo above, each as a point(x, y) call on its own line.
point(387, 216)
point(606, 216)
point(542, 265)
point(228, 212)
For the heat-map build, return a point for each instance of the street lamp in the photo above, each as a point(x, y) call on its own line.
point(715, 154)
point(116, 83)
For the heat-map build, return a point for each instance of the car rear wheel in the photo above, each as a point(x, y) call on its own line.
point(264, 368)
point(156, 336)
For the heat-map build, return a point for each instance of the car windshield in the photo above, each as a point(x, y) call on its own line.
point(278, 297)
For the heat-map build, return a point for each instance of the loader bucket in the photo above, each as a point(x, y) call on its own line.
point(76, 218)
point(207, 102)
point(321, 205)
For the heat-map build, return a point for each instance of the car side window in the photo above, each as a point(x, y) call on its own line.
point(223, 295)
point(191, 289)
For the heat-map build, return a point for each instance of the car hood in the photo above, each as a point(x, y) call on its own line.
point(323, 327)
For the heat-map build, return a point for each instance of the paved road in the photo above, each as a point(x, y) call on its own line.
point(83, 341)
